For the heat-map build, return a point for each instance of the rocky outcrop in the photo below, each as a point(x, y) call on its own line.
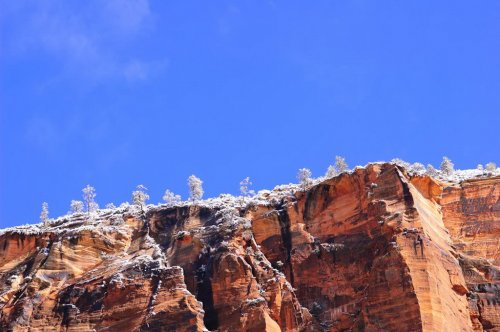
point(376, 249)
point(471, 212)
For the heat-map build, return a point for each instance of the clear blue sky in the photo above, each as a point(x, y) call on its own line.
point(118, 93)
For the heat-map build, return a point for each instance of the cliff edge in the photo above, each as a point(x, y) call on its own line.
point(375, 249)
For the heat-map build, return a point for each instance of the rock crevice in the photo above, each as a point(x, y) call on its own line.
point(376, 249)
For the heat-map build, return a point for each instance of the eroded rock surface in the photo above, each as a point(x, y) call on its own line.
point(372, 250)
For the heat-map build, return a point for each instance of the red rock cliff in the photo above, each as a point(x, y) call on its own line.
point(373, 250)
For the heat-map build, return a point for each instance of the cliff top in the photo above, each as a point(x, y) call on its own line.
point(81, 221)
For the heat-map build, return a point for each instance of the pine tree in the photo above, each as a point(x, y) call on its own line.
point(401, 162)
point(331, 172)
point(491, 167)
point(195, 188)
point(170, 198)
point(447, 166)
point(110, 206)
point(431, 171)
point(304, 176)
point(89, 199)
point(245, 185)
point(76, 206)
point(139, 196)
point(340, 164)
point(417, 168)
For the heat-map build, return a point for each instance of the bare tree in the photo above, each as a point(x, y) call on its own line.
point(44, 215)
point(195, 188)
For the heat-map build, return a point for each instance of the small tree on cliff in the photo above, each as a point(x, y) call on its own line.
point(447, 166)
point(44, 215)
point(417, 168)
point(76, 206)
point(491, 167)
point(170, 198)
point(340, 164)
point(195, 188)
point(330, 172)
point(401, 162)
point(89, 199)
point(110, 206)
point(339, 167)
point(431, 171)
point(139, 196)
point(304, 176)
point(245, 185)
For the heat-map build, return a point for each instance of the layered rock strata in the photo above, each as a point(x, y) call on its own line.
point(376, 249)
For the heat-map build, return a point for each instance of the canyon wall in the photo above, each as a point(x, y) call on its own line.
point(376, 249)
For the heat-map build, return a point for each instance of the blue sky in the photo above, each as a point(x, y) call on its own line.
point(118, 93)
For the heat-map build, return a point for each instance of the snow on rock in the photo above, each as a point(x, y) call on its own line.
point(239, 255)
point(111, 220)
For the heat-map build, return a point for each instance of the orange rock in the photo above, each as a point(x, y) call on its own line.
point(373, 250)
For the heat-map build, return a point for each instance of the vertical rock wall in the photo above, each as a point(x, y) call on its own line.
point(374, 250)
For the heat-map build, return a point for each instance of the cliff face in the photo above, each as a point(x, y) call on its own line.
point(471, 211)
point(373, 250)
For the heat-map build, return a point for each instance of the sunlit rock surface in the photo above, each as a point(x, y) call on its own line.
point(376, 249)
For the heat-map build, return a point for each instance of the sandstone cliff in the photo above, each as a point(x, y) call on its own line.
point(376, 249)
